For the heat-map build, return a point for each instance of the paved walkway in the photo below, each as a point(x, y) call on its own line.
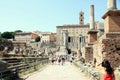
point(58, 72)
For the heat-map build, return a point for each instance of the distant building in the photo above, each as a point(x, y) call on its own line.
point(25, 36)
point(77, 36)
point(53, 37)
point(45, 36)
point(74, 32)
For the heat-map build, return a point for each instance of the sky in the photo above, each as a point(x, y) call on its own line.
point(45, 15)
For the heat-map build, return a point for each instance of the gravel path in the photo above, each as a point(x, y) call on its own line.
point(57, 72)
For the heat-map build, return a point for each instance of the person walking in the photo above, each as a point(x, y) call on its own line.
point(63, 60)
point(59, 60)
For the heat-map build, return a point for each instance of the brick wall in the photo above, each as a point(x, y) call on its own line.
point(113, 35)
point(33, 36)
point(112, 21)
point(88, 54)
point(92, 36)
point(53, 37)
point(107, 49)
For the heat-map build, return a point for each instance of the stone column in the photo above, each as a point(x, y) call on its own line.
point(64, 38)
point(79, 48)
point(92, 22)
point(78, 42)
point(81, 42)
point(111, 4)
point(61, 38)
point(92, 33)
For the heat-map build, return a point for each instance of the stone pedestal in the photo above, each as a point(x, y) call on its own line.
point(108, 47)
point(113, 35)
point(112, 21)
point(62, 52)
point(92, 36)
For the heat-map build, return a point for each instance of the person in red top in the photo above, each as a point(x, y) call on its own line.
point(109, 73)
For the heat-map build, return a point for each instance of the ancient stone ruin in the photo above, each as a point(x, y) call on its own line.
point(108, 45)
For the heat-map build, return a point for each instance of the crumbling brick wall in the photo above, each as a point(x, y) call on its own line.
point(107, 49)
point(88, 54)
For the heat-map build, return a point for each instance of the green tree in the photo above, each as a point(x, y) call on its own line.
point(18, 31)
point(37, 39)
point(2, 40)
point(7, 35)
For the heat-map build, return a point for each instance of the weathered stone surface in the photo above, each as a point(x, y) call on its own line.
point(3, 66)
point(112, 21)
point(88, 54)
point(111, 4)
point(92, 22)
point(108, 49)
point(92, 36)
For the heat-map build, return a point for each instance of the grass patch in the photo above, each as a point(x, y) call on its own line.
point(32, 69)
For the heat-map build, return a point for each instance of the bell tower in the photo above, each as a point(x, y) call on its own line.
point(81, 18)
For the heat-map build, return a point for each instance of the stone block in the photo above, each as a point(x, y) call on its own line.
point(3, 66)
point(88, 54)
point(107, 49)
point(112, 21)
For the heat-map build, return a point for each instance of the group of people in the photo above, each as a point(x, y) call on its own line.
point(105, 65)
point(60, 60)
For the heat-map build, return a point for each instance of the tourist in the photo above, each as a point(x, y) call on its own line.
point(59, 60)
point(108, 71)
point(63, 60)
point(71, 60)
point(52, 60)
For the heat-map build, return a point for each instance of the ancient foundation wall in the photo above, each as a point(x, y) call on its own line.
point(107, 49)
point(88, 54)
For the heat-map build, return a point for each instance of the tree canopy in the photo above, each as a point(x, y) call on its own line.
point(7, 35)
point(18, 31)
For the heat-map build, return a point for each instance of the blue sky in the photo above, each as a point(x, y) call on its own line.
point(45, 15)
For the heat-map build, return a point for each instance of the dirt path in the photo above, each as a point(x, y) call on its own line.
point(58, 72)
